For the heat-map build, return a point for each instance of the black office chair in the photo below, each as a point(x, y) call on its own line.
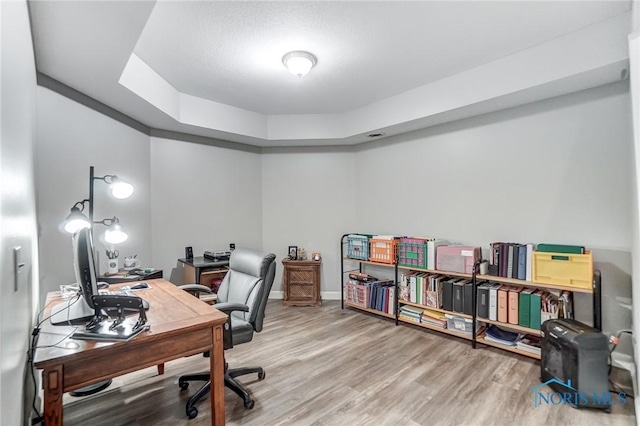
point(243, 296)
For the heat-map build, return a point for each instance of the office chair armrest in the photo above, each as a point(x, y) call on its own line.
point(195, 288)
point(228, 307)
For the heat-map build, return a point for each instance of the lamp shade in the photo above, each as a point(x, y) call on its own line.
point(115, 234)
point(76, 221)
point(299, 62)
point(121, 189)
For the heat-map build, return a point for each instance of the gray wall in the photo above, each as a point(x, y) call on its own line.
point(17, 210)
point(204, 197)
point(634, 59)
point(309, 201)
point(70, 139)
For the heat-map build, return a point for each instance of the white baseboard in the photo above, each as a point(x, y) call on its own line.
point(326, 295)
point(277, 295)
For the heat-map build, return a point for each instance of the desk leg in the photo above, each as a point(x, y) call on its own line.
point(217, 377)
point(53, 391)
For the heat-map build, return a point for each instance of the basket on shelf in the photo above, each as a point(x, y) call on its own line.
point(358, 246)
point(357, 294)
point(383, 249)
point(412, 252)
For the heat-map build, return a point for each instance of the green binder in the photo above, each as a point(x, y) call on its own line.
point(560, 248)
point(524, 307)
point(536, 308)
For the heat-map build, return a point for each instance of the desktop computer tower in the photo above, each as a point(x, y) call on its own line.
point(576, 356)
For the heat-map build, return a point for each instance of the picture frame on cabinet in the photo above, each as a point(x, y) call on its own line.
point(293, 252)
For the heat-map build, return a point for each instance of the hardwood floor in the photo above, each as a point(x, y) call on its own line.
point(327, 366)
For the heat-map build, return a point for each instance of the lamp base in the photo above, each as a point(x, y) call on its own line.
point(91, 389)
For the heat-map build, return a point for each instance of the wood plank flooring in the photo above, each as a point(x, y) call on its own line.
point(327, 366)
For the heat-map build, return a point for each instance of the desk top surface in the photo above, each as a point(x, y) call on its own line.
point(171, 311)
point(202, 262)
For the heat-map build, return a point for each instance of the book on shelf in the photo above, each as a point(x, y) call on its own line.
point(434, 318)
point(509, 261)
point(413, 287)
point(513, 304)
point(529, 263)
point(536, 309)
point(447, 294)
point(522, 262)
point(467, 299)
point(524, 307)
point(458, 295)
point(361, 276)
point(503, 303)
point(493, 302)
point(408, 318)
point(560, 248)
point(503, 337)
point(432, 246)
point(391, 305)
point(530, 343)
point(410, 313)
point(482, 309)
point(516, 261)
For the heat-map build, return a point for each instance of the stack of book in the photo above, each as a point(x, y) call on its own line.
point(410, 313)
point(434, 318)
point(530, 343)
point(502, 337)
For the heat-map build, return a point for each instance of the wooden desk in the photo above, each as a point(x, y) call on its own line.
point(180, 326)
point(122, 277)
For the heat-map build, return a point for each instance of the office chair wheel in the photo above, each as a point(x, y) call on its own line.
point(248, 404)
point(183, 385)
point(262, 375)
point(192, 412)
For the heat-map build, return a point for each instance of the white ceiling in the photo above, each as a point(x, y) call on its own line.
point(214, 68)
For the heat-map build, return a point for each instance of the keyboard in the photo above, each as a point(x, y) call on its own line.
point(116, 293)
point(121, 292)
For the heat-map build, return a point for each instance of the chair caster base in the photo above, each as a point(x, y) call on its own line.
point(192, 413)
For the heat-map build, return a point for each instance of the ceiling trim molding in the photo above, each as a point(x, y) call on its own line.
point(51, 83)
point(71, 93)
point(204, 140)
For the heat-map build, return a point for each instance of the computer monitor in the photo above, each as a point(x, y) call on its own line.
point(86, 276)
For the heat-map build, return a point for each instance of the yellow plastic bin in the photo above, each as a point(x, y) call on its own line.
point(570, 270)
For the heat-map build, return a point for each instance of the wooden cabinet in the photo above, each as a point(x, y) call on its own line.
point(301, 282)
point(202, 271)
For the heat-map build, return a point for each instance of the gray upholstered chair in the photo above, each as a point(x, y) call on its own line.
point(243, 296)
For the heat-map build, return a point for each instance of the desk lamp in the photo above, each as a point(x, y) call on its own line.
point(76, 220)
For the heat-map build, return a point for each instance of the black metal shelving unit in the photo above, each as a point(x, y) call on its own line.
point(596, 290)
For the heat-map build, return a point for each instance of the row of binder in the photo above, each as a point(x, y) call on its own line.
point(437, 291)
point(526, 307)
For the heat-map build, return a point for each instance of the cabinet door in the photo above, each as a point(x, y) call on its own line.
point(213, 278)
point(301, 284)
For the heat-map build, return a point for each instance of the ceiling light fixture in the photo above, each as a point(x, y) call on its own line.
point(299, 62)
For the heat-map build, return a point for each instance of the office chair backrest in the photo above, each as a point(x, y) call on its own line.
point(249, 281)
